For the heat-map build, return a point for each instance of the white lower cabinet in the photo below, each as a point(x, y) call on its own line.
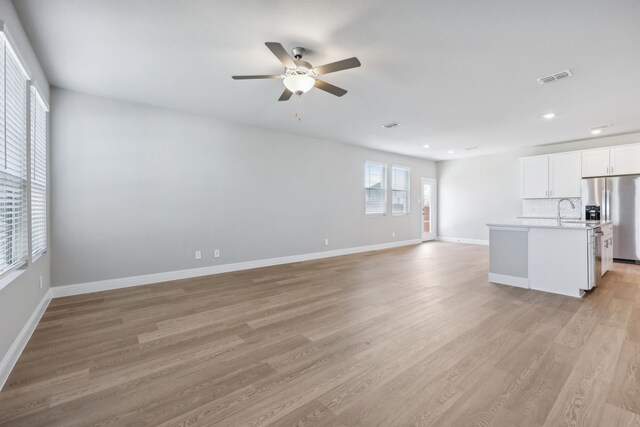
point(607, 248)
point(541, 255)
point(558, 261)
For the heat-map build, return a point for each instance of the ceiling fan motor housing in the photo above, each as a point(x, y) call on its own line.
point(302, 67)
point(298, 52)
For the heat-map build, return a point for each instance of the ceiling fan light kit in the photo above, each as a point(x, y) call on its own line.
point(299, 83)
point(300, 76)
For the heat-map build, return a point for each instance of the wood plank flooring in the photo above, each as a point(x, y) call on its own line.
point(408, 336)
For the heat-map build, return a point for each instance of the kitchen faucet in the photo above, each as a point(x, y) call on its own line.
point(559, 218)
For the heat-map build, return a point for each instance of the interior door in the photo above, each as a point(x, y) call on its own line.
point(429, 211)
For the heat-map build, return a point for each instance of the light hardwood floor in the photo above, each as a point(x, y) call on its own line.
point(408, 336)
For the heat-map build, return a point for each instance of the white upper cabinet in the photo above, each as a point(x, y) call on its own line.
point(565, 177)
point(554, 176)
point(534, 177)
point(560, 175)
point(595, 162)
point(622, 160)
point(625, 160)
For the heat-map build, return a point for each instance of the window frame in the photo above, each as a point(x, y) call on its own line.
point(18, 267)
point(385, 189)
point(36, 98)
point(10, 48)
point(408, 190)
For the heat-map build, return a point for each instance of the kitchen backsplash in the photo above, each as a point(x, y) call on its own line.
point(549, 208)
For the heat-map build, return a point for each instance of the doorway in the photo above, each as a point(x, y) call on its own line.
point(429, 211)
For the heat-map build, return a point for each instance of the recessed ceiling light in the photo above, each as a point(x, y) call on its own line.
point(549, 116)
point(450, 151)
point(596, 131)
point(426, 146)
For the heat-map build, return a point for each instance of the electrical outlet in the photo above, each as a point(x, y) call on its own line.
point(198, 254)
point(326, 242)
point(393, 234)
point(40, 282)
point(216, 253)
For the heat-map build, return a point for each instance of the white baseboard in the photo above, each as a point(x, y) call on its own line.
point(147, 279)
point(503, 279)
point(463, 240)
point(9, 360)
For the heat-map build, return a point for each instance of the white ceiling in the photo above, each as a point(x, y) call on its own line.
point(454, 74)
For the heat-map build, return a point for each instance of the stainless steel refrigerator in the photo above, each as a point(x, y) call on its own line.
point(619, 201)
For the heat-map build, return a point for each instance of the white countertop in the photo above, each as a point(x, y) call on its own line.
point(570, 224)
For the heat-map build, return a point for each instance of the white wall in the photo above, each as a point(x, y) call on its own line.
point(19, 298)
point(477, 190)
point(137, 190)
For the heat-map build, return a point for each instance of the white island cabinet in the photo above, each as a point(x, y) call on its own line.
point(544, 255)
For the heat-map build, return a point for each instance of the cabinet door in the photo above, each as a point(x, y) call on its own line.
point(595, 162)
point(565, 177)
point(607, 253)
point(534, 172)
point(625, 160)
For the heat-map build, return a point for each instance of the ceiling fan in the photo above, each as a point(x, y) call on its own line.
point(300, 76)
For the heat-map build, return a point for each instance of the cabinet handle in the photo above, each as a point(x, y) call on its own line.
point(611, 170)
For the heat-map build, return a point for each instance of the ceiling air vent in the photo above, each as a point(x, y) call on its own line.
point(553, 77)
point(390, 125)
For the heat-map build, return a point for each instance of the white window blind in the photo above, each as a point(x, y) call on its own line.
point(38, 173)
point(13, 160)
point(400, 190)
point(375, 185)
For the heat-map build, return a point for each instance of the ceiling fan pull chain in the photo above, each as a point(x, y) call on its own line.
point(297, 105)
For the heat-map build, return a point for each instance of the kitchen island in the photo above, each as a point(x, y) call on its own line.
point(544, 254)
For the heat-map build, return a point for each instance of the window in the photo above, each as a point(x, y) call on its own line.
point(400, 190)
point(13, 158)
point(375, 188)
point(38, 173)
